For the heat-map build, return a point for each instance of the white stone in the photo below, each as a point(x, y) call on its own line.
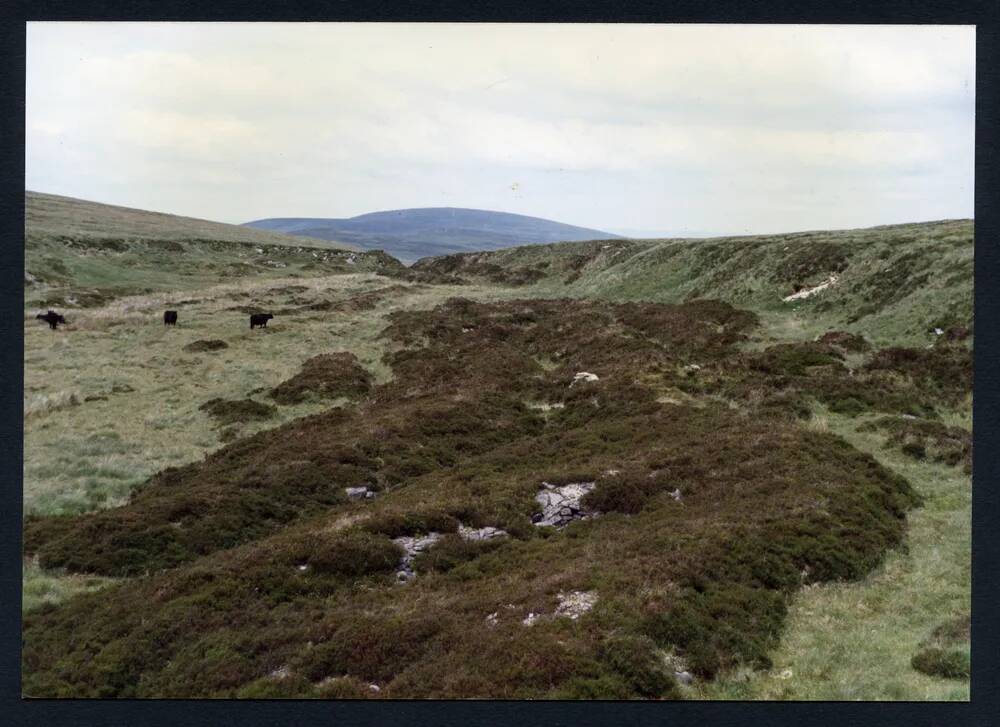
point(575, 603)
point(487, 533)
point(809, 292)
point(584, 376)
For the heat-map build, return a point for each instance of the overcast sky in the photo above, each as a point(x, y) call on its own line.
point(639, 129)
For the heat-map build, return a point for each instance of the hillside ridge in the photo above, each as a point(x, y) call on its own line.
point(54, 213)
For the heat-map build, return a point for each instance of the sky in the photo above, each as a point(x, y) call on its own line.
point(636, 129)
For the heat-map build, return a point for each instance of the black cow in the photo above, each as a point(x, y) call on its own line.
point(52, 318)
point(170, 318)
point(259, 319)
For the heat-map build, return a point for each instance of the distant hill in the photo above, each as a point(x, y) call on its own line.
point(412, 234)
point(54, 214)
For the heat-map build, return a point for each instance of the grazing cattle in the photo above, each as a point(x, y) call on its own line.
point(259, 319)
point(170, 318)
point(52, 318)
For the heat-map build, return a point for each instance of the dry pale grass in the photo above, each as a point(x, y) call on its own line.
point(38, 404)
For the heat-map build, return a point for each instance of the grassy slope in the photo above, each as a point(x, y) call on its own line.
point(50, 214)
point(81, 253)
point(895, 283)
point(884, 616)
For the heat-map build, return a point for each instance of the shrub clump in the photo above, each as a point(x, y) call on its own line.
point(947, 663)
point(926, 439)
point(234, 411)
point(847, 341)
point(943, 371)
point(326, 376)
point(636, 660)
point(946, 652)
point(356, 554)
point(452, 551)
point(395, 524)
point(206, 345)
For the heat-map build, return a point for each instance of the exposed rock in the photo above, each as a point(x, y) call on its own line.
point(561, 505)
point(683, 677)
point(676, 494)
point(360, 493)
point(572, 605)
point(280, 673)
point(487, 533)
point(584, 376)
point(575, 603)
point(412, 546)
point(375, 687)
point(809, 292)
point(493, 618)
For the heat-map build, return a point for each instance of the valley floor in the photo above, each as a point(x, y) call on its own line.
point(115, 397)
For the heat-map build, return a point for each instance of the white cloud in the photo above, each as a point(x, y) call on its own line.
point(606, 126)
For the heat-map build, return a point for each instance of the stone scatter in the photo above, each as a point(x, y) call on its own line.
point(561, 505)
point(572, 605)
point(412, 546)
point(487, 533)
point(362, 492)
